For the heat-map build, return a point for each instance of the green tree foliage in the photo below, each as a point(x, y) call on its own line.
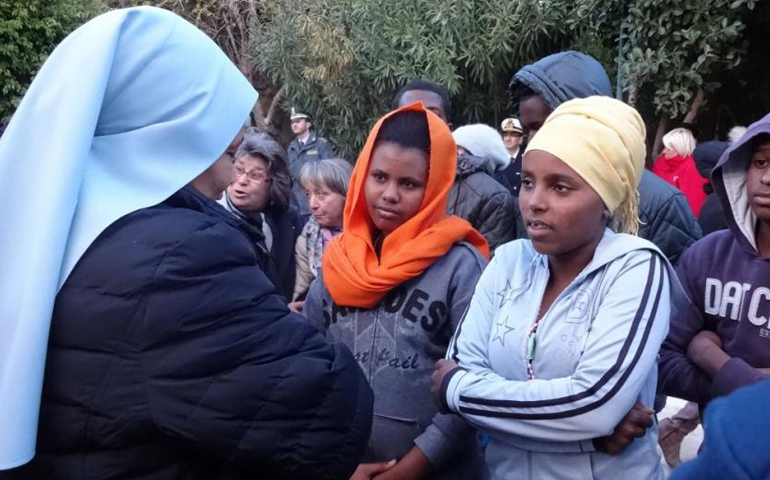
point(672, 47)
point(29, 30)
point(671, 53)
point(677, 48)
point(344, 59)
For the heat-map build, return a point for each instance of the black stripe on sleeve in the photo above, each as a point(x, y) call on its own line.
point(445, 384)
point(455, 352)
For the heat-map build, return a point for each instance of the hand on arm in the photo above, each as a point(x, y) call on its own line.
point(366, 471)
point(634, 425)
point(412, 466)
point(440, 370)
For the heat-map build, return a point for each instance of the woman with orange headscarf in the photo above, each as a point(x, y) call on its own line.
point(393, 287)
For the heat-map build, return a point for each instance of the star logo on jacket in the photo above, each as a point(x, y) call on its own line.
point(501, 330)
point(504, 295)
point(580, 305)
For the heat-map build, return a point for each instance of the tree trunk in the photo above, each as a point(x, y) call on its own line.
point(697, 103)
point(268, 114)
point(658, 143)
point(632, 90)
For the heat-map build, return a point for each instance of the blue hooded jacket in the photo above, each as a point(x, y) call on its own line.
point(666, 219)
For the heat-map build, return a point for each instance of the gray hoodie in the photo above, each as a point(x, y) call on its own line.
point(396, 344)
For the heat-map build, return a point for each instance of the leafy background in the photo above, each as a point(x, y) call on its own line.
point(702, 62)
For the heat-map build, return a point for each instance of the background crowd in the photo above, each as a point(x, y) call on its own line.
point(189, 299)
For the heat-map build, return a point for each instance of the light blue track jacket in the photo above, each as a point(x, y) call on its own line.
point(595, 357)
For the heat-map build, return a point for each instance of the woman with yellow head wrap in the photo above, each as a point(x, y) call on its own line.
point(559, 345)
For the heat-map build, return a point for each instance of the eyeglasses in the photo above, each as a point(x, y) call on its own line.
point(254, 177)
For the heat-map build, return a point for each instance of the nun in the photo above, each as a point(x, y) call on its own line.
point(138, 337)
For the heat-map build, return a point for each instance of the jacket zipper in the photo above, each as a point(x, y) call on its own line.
point(371, 349)
point(545, 314)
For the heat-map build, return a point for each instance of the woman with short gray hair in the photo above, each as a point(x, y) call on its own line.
point(326, 183)
point(260, 197)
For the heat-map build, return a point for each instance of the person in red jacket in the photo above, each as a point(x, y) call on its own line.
point(676, 166)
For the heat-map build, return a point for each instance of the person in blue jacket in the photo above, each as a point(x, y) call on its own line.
point(734, 426)
point(561, 337)
point(537, 89)
point(139, 339)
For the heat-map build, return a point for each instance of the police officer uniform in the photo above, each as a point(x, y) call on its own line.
point(510, 177)
point(313, 148)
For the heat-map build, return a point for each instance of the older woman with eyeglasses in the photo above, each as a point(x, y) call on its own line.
point(260, 196)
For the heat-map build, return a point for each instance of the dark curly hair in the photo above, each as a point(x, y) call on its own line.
point(408, 129)
point(428, 87)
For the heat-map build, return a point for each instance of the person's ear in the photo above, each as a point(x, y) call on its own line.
point(607, 215)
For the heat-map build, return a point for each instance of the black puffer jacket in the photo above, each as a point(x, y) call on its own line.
point(666, 218)
point(706, 156)
point(480, 199)
point(170, 357)
point(285, 227)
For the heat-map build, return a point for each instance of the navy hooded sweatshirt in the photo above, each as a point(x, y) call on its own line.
point(728, 283)
point(666, 218)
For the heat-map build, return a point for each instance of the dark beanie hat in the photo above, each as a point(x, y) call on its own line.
point(707, 154)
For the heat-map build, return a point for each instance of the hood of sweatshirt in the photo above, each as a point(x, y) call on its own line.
point(729, 180)
point(707, 155)
point(564, 76)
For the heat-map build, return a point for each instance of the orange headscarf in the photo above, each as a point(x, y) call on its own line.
point(352, 272)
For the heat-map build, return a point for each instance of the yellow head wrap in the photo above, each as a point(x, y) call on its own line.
point(602, 139)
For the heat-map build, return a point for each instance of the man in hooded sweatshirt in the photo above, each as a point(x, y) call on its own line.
point(719, 342)
point(665, 217)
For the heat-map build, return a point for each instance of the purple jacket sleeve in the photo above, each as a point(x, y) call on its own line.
point(677, 375)
point(733, 375)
